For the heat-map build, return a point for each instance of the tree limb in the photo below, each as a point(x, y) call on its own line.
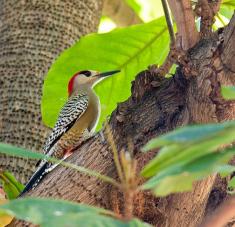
point(185, 22)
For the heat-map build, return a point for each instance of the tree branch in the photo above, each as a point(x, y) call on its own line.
point(184, 18)
point(207, 10)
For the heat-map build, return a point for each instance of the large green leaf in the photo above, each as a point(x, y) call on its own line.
point(48, 212)
point(228, 92)
point(227, 9)
point(129, 49)
point(186, 144)
point(180, 178)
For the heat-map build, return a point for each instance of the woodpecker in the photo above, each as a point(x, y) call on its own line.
point(76, 122)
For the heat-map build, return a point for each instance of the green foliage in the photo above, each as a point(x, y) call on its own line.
point(226, 12)
point(93, 220)
point(19, 152)
point(10, 185)
point(190, 134)
point(229, 3)
point(134, 5)
point(129, 49)
point(228, 92)
point(146, 10)
point(227, 8)
point(231, 185)
point(23, 153)
point(180, 178)
point(225, 170)
point(188, 154)
point(48, 212)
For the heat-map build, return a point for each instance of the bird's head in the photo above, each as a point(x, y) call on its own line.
point(87, 79)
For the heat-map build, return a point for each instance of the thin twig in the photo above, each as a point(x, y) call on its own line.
point(168, 21)
point(92, 173)
point(115, 153)
point(130, 185)
point(85, 171)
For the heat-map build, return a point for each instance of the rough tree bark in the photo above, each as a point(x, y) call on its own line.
point(33, 33)
point(156, 105)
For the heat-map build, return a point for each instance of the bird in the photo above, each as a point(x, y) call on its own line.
point(76, 122)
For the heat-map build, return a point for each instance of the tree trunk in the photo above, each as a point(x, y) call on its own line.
point(157, 105)
point(33, 33)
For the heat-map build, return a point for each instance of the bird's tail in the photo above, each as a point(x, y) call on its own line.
point(36, 178)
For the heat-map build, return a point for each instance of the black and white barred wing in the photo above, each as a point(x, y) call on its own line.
point(72, 110)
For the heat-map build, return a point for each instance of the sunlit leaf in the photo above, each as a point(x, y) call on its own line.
point(229, 3)
point(228, 92)
point(227, 8)
point(129, 49)
point(106, 25)
point(146, 10)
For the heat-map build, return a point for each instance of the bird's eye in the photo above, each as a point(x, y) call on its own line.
point(86, 73)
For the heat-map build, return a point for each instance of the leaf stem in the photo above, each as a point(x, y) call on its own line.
point(115, 153)
point(129, 204)
point(92, 173)
point(168, 21)
point(86, 171)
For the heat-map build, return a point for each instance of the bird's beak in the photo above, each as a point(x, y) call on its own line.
point(100, 75)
